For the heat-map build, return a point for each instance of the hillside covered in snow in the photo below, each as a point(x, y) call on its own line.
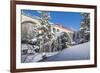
point(77, 52)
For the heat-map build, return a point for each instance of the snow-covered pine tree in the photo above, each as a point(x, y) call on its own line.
point(85, 27)
point(46, 35)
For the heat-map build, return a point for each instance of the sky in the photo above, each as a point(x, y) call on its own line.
point(67, 19)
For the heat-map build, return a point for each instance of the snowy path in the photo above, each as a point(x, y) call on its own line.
point(78, 52)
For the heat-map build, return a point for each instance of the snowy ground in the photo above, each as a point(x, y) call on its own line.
point(35, 57)
point(78, 52)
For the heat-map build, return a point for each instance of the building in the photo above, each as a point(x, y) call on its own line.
point(35, 21)
point(28, 25)
point(58, 28)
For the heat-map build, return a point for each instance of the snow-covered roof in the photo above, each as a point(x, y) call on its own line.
point(34, 17)
point(63, 27)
